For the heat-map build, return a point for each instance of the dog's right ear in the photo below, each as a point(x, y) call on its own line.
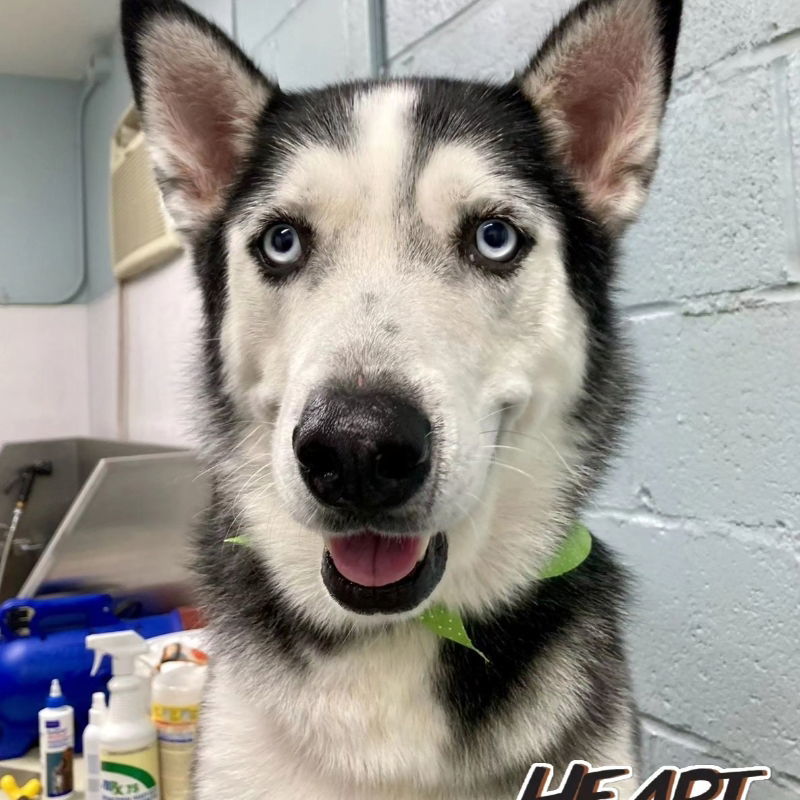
point(200, 99)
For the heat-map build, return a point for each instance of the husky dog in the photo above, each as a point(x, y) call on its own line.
point(413, 379)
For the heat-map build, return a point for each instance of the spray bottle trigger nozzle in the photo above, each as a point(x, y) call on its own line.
point(99, 655)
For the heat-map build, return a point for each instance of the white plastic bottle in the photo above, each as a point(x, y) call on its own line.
point(57, 745)
point(177, 692)
point(91, 745)
point(128, 745)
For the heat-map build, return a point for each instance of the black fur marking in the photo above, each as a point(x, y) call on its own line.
point(210, 262)
point(671, 15)
point(479, 696)
point(241, 596)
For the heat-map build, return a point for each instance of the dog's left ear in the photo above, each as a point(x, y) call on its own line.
point(200, 98)
point(601, 81)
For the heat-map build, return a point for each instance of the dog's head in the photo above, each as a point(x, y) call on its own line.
point(412, 361)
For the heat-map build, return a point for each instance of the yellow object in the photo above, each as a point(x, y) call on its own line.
point(30, 790)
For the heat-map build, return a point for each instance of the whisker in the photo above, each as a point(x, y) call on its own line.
point(471, 519)
point(498, 411)
point(502, 447)
point(480, 500)
point(540, 436)
point(558, 453)
point(506, 431)
point(513, 469)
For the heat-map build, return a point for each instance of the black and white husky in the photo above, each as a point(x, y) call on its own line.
point(413, 377)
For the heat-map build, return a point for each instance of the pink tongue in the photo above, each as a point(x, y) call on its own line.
point(372, 560)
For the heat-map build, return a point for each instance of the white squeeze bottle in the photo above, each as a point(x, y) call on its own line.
point(177, 693)
point(91, 745)
point(128, 745)
point(56, 745)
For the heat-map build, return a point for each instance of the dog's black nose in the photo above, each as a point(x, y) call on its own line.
point(365, 452)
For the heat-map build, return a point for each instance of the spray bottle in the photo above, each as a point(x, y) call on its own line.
point(128, 745)
point(56, 745)
point(177, 692)
point(91, 745)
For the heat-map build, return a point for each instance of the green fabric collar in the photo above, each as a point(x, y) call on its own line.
point(448, 624)
point(574, 551)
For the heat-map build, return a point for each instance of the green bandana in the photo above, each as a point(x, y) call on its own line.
point(449, 625)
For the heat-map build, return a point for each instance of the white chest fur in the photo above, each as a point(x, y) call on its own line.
point(364, 718)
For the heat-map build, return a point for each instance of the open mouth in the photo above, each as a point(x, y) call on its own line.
point(373, 574)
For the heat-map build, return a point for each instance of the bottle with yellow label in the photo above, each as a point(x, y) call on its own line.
point(128, 743)
point(177, 692)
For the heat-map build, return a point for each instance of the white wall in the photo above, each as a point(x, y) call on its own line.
point(43, 372)
point(161, 320)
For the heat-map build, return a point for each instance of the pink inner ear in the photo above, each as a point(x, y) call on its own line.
point(200, 104)
point(202, 130)
point(602, 99)
point(605, 87)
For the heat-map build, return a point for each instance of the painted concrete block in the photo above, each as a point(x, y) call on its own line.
point(659, 750)
point(714, 634)
point(713, 29)
point(792, 166)
point(408, 22)
point(218, 11)
point(715, 218)
point(317, 44)
point(718, 428)
point(256, 19)
point(489, 41)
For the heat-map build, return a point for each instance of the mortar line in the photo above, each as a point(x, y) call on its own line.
point(278, 25)
point(687, 738)
point(653, 518)
point(775, 536)
point(433, 30)
point(787, 171)
point(709, 303)
point(644, 311)
point(742, 59)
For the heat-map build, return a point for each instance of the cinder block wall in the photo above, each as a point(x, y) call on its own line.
point(705, 507)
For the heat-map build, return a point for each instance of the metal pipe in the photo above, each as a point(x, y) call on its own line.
point(25, 478)
point(379, 56)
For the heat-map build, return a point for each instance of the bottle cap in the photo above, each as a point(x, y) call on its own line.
point(55, 699)
point(97, 712)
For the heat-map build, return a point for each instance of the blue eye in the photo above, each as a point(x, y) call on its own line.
point(281, 245)
point(497, 241)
